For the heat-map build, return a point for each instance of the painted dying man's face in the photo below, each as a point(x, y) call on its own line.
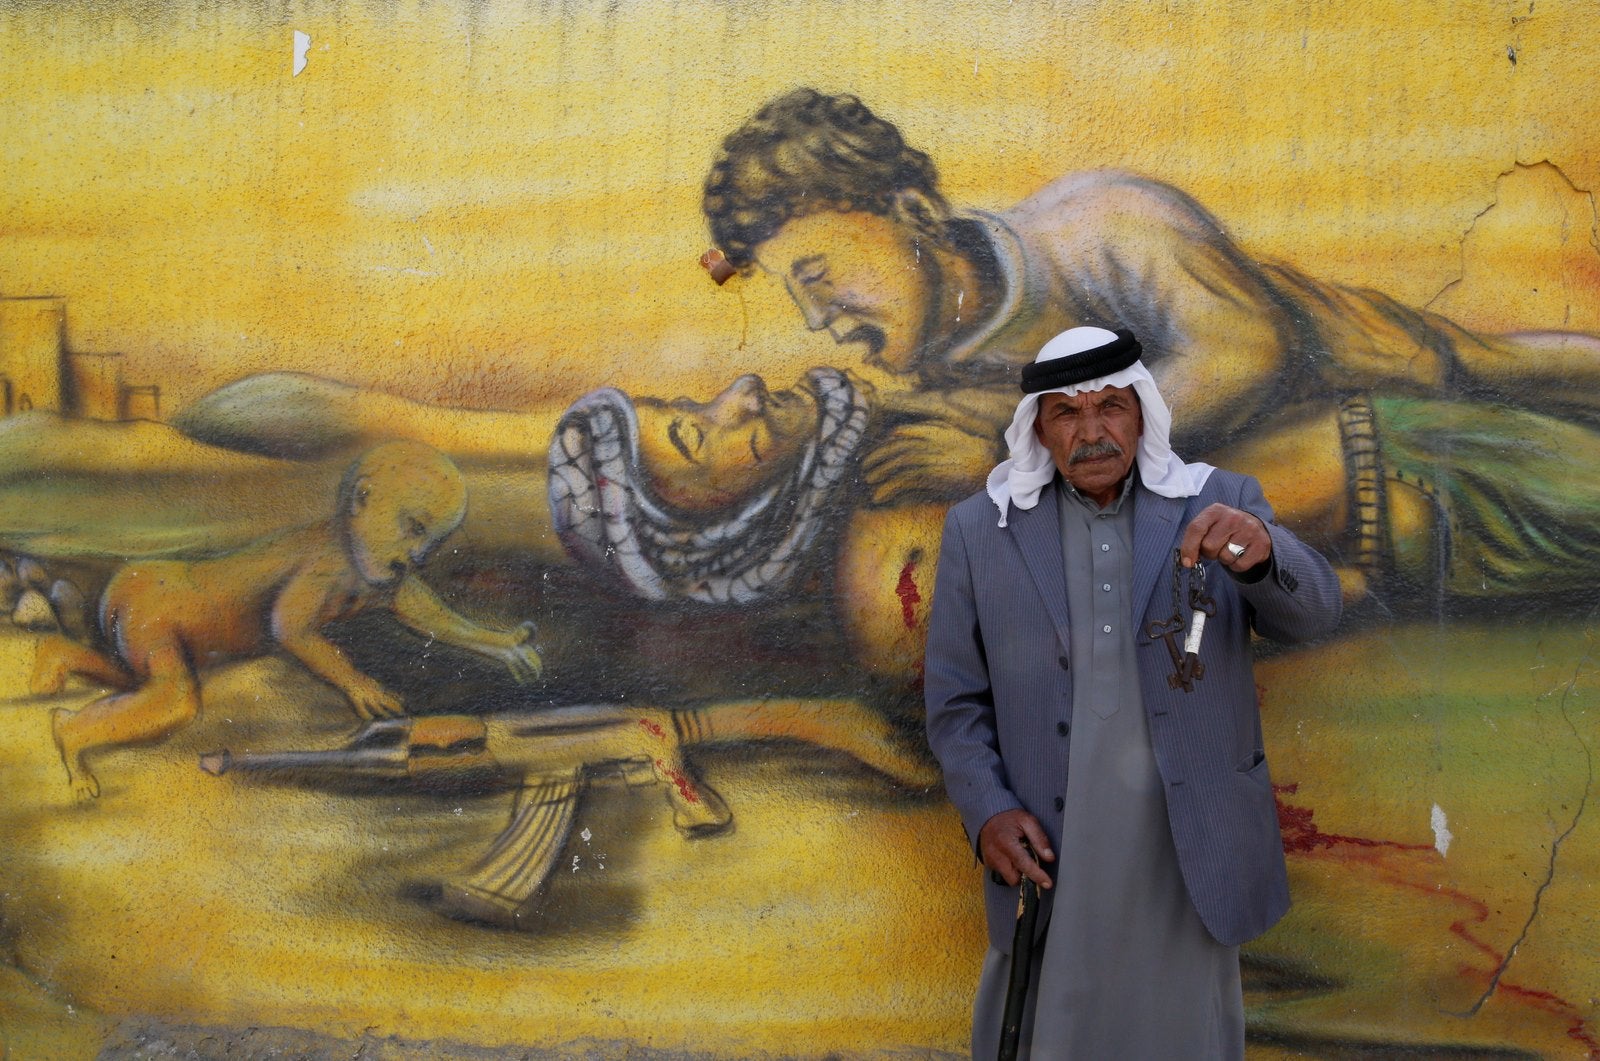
point(868, 279)
point(704, 455)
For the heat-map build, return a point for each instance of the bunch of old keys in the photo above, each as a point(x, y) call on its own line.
point(1186, 666)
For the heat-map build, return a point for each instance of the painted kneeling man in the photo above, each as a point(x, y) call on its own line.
point(1089, 753)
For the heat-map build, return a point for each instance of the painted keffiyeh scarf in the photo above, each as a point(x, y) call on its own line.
point(607, 517)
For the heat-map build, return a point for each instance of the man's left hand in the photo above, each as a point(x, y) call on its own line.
point(1217, 528)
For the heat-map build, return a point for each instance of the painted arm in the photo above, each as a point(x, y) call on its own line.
point(296, 622)
point(416, 605)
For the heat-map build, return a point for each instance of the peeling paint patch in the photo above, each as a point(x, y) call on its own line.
point(302, 45)
point(1441, 831)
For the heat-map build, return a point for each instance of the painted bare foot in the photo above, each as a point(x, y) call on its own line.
point(697, 809)
point(84, 785)
point(49, 675)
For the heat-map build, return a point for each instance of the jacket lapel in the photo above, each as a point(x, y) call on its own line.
point(1157, 528)
point(1037, 532)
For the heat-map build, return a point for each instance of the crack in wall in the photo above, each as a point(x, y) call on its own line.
point(1555, 846)
point(1519, 171)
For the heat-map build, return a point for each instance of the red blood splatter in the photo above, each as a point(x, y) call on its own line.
point(653, 728)
point(1577, 1030)
point(601, 482)
point(681, 781)
point(906, 590)
point(1301, 835)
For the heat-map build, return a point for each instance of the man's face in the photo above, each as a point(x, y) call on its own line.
point(1093, 438)
point(861, 276)
point(705, 455)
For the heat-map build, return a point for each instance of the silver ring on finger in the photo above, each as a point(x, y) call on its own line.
point(1235, 551)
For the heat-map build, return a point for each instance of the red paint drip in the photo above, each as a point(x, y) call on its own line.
point(653, 728)
point(1577, 1030)
point(681, 781)
point(906, 590)
point(1302, 836)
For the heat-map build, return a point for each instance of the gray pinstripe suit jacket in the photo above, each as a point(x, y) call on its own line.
point(999, 694)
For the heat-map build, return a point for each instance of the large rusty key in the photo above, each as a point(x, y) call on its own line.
point(1186, 666)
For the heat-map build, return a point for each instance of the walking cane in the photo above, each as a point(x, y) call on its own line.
point(1021, 968)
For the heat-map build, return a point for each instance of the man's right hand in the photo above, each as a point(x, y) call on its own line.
point(927, 461)
point(1001, 846)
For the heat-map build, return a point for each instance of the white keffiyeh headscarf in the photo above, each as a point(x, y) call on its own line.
point(1019, 479)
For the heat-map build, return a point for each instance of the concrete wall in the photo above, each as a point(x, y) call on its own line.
point(1358, 240)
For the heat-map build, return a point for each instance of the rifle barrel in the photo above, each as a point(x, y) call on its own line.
point(370, 762)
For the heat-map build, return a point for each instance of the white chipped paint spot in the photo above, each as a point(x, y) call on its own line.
point(1441, 831)
point(302, 45)
point(574, 863)
point(587, 835)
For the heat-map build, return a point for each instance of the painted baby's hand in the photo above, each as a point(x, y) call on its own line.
point(370, 700)
point(522, 659)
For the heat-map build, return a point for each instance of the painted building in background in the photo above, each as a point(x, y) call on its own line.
point(1359, 242)
point(31, 358)
point(38, 371)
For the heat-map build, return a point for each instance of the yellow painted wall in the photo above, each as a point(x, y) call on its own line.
point(496, 206)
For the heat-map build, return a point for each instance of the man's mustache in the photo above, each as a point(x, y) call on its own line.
point(1092, 450)
point(874, 337)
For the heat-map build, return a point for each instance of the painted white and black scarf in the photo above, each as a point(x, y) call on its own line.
point(607, 517)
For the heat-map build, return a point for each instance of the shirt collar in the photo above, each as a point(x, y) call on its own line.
point(1116, 503)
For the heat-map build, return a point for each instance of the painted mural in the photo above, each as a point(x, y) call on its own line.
point(471, 479)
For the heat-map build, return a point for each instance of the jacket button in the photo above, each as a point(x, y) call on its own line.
point(1060, 803)
point(1063, 729)
point(1063, 661)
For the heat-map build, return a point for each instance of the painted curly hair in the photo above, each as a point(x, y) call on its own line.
point(803, 152)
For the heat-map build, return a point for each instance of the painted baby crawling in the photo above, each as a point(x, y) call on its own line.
point(167, 620)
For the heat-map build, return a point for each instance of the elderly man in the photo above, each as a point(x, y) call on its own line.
point(1076, 753)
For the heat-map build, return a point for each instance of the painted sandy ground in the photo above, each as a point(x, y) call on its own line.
point(199, 900)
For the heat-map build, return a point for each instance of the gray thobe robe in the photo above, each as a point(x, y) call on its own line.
point(1127, 970)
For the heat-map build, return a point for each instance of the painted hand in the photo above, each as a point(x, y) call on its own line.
point(1001, 845)
point(1217, 528)
point(521, 659)
point(370, 700)
point(930, 460)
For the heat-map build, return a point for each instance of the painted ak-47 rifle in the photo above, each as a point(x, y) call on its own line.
point(552, 756)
